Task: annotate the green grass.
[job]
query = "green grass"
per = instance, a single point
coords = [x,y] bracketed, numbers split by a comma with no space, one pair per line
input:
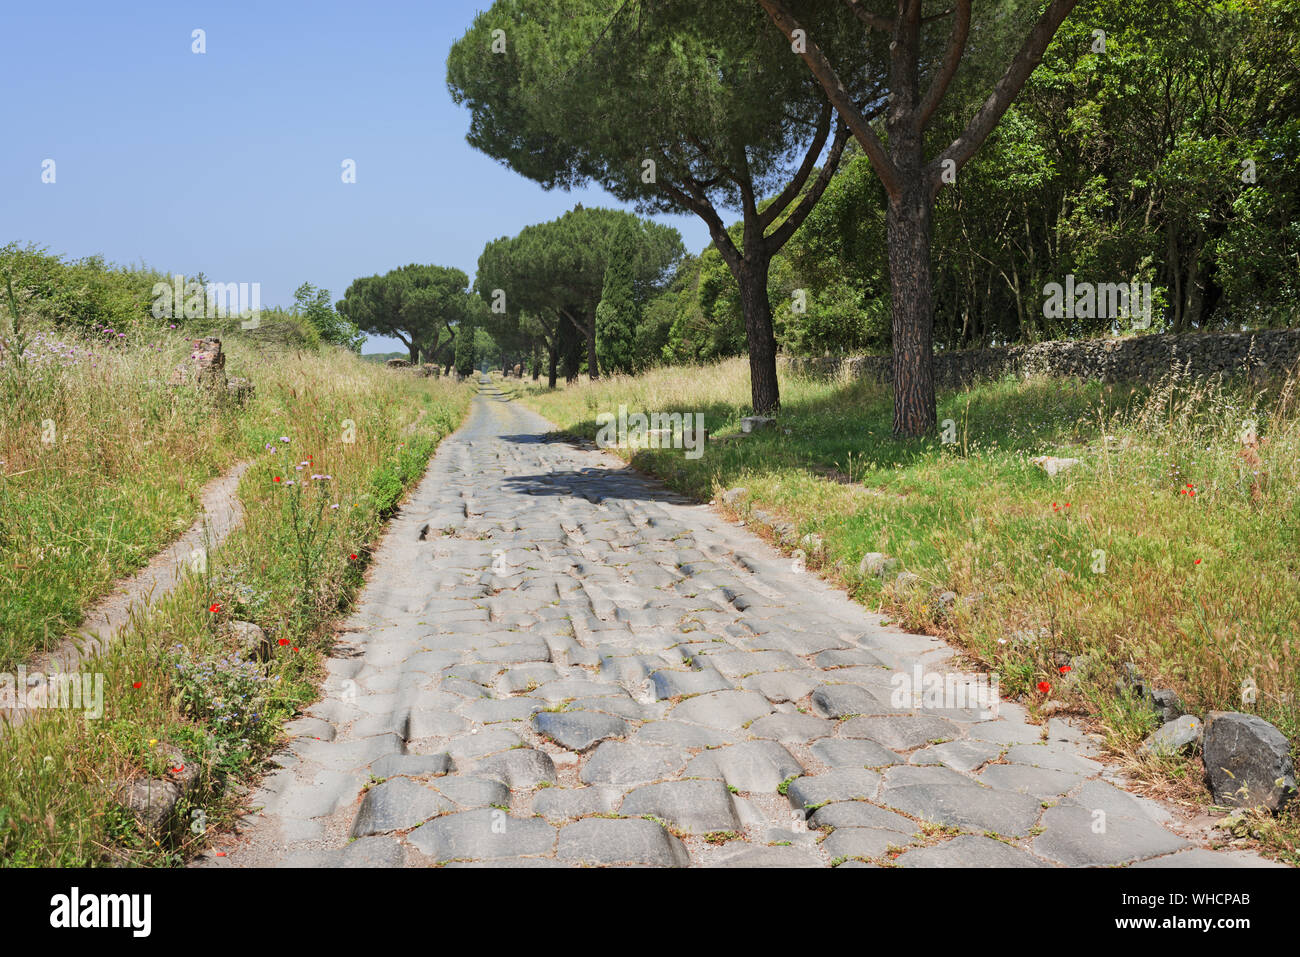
[1201,591]
[291,568]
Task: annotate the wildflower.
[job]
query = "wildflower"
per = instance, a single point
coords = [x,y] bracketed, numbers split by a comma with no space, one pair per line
[334,506]
[1064,669]
[284,438]
[215,608]
[284,641]
[1044,687]
[352,557]
[1197,562]
[277,478]
[138,684]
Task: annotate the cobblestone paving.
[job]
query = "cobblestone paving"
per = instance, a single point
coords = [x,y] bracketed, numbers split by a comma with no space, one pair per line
[558,662]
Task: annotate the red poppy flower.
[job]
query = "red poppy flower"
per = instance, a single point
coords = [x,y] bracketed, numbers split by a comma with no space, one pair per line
[138,684]
[215,608]
[1063,669]
[352,557]
[1044,687]
[284,641]
[178,770]
[1197,562]
[295,647]
[277,478]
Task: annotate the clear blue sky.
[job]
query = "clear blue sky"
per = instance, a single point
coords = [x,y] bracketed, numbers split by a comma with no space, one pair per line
[229,162]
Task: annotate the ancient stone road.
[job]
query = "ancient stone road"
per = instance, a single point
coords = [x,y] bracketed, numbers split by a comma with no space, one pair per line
[559,662]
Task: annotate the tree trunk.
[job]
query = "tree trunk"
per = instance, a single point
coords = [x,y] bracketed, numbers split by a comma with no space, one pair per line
[908,224]
[415,353]
[593,370]
[763,388]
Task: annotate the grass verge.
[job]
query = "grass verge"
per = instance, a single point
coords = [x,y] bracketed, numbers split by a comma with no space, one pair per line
[335,443]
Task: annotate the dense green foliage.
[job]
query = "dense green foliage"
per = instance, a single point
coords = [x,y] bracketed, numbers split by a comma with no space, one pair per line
[543,288]
[422,306]
[1113,166]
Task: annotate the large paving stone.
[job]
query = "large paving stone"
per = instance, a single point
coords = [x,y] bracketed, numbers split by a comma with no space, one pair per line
[327,792]
[579,730]
[563,689]
[792,728]
[471,792]
[493,710]
[692,806]
[902,732]
[683,735]
[397,805]
[737,664]
[348,755]
[412,765]
[861,814]
[855,753]
[483,834]
[1037,782]
[750,856]
[671,684]
[384,852]
[1051,756]
[1080,836]
[1006,731]
[779,686]
[433,724]
[481,743]
[840,784]
[758,766]
[966,806]
[723,709]
[519,769]
[968,850]
[626,841]
[559,804]
[626,764]
[862,842]
[840,701]
[958,755]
